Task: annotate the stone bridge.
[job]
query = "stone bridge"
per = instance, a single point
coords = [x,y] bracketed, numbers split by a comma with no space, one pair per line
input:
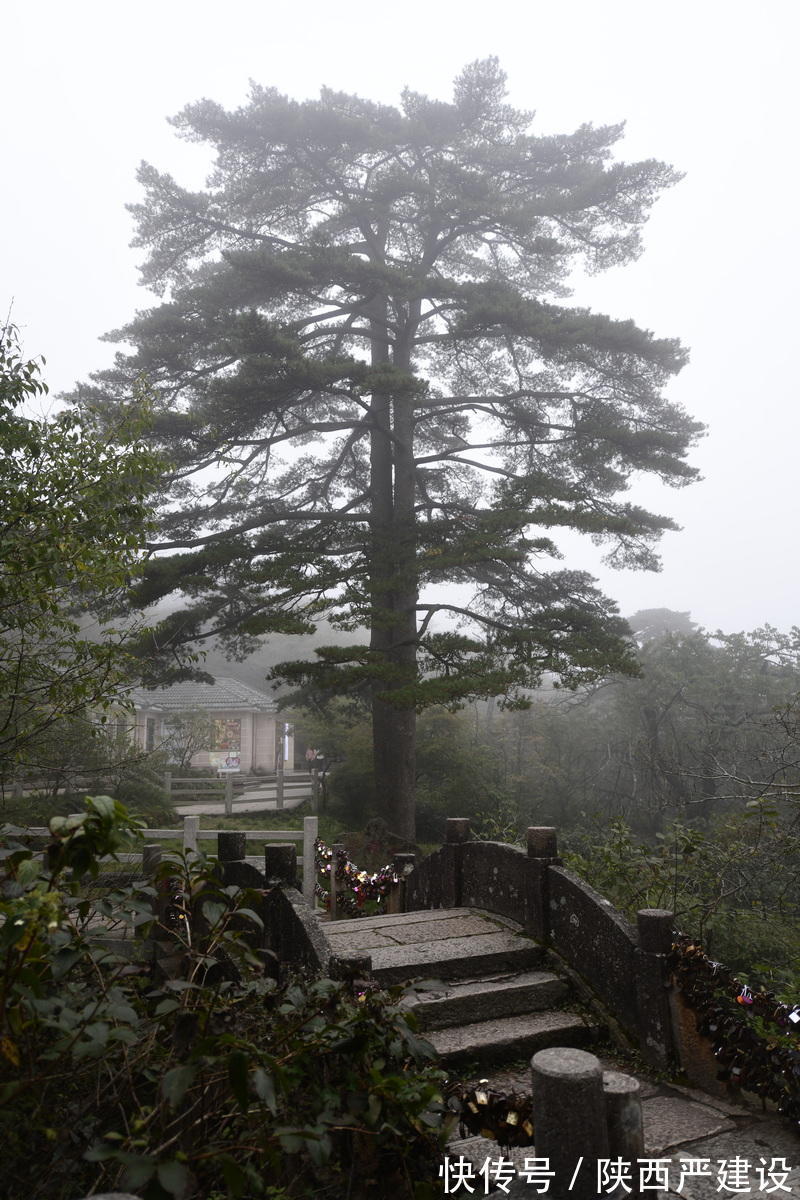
[524,954]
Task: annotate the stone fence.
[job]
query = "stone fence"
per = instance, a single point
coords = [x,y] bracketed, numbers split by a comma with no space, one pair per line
[623,966]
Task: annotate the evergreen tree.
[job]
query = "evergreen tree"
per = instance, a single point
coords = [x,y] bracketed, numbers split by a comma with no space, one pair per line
[370,388]
[73,522]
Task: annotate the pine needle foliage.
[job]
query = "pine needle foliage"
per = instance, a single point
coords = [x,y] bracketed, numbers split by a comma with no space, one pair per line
[373,389]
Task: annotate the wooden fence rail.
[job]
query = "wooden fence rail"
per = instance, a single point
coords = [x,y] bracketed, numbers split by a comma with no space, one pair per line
[191,834]
[227,786]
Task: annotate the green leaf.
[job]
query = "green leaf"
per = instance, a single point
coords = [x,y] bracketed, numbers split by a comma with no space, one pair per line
[265,1089]
[123,1012]
[177,1082]
[122,1033]
[99,1152]
[28,871]
[166,1006]
[139,1169]
[174,1178]
[291,1142]
[235,1178]
[104,806]
[251,916]
[213,911]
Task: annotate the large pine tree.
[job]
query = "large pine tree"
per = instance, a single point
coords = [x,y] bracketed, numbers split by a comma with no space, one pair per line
[370,388]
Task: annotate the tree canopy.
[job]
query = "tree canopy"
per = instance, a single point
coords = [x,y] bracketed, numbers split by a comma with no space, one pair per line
[378,403]
[708,727]
[73,523]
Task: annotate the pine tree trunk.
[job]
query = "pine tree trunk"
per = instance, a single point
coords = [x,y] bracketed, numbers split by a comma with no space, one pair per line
[393,591]
[394,757]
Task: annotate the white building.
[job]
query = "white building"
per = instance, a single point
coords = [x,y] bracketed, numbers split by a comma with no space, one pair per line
[247,732]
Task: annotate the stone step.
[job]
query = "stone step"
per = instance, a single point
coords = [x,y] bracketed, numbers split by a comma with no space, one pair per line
[470,1001]
[441,945]
[458,958]
[505,1038]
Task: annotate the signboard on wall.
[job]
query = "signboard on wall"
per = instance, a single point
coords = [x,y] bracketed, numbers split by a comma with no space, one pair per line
[228,734]
[230,763]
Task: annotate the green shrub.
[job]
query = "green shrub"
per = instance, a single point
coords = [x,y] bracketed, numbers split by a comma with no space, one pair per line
[140,790]
[213,1082]
[733,886]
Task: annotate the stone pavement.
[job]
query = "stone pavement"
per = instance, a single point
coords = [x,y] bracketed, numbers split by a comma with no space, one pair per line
[733,1149]
[680,1124]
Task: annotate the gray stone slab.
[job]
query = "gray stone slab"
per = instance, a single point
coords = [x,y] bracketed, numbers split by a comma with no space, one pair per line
[671,1120]
[351,941]
[525,1034]
[728,1107]
[759,1144]
[390,919]
[404,933]
[766,1149]
[460,947]
[492,951]
[431,931]
[479,1000]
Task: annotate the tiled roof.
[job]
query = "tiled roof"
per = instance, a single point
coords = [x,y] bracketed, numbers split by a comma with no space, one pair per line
[188,696]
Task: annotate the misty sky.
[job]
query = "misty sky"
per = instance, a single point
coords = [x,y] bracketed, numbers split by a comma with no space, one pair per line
[709,86]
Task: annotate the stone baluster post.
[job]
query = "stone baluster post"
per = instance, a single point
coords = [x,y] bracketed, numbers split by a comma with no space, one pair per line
[569,1117]
[191,825]
[624,1122]
[457,835]
[280,863]
[151,860]
[403,864]
[231,845]
[655,927]
[542,843]
[335,909]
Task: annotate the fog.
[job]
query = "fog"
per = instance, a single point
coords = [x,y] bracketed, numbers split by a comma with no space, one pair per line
[87,88]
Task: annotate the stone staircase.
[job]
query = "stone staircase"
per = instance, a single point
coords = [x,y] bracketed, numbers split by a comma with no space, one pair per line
[488,996]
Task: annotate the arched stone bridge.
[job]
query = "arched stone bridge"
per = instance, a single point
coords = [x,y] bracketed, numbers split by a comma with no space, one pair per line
[510,936]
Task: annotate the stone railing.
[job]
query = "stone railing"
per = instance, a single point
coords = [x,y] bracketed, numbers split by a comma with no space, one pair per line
[624,967]
[291,931]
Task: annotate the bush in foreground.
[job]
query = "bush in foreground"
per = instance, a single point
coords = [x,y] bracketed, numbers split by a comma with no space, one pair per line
[215,1082]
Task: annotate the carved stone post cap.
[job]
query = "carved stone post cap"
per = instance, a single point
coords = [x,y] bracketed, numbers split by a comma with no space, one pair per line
[111,1196]
[403,863]
[151,857]
[655,929]
[569,1114]
[231,845]
[571,1066]
[457,829]
[280,862]
[617,1084]
[542,841]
